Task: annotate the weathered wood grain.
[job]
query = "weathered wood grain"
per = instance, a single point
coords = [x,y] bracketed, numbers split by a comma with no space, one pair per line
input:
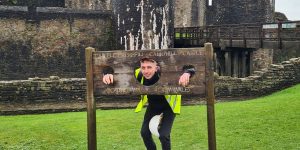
[171,62]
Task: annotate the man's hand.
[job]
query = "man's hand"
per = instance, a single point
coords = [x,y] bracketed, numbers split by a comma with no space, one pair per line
[184,79]
[108,79]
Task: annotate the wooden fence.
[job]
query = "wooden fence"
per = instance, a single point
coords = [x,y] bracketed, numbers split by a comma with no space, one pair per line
[197,36]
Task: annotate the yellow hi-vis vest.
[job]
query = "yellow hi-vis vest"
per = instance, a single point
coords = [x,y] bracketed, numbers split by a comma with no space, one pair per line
[173,100]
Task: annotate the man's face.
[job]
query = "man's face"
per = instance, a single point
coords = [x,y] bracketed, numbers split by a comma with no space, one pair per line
[148,69]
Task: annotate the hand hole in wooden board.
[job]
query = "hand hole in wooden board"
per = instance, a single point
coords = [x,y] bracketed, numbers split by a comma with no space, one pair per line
[147,72]
[108,72]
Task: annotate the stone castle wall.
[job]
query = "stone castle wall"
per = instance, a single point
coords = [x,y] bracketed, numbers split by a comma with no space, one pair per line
[189,13]
[36,43]
[240,11]
[89,4]
[49,41]
[265,81]
[58,94]
[262,58]
[146,24]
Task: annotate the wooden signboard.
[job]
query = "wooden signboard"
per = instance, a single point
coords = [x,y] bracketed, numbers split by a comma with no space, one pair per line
[170,61]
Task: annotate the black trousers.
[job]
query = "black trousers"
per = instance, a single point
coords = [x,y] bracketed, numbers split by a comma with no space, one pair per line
[164,130]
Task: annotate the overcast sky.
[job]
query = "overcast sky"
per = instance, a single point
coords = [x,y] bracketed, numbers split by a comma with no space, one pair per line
[291,8]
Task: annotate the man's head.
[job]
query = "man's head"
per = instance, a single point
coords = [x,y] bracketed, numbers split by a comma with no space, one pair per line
[148,67]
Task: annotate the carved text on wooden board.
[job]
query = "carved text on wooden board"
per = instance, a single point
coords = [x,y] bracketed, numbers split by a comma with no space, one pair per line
[170,61]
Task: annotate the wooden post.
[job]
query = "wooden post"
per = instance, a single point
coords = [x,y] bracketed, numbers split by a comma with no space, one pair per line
[250,63]
[230,35]
[244,65]
[244,36]
[91,105]
[218,36]
[210,97]
[228,63]
[235,64]
[279,30]
[261,36]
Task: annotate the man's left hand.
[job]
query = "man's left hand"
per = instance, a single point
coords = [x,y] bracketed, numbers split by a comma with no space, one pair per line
[184,79]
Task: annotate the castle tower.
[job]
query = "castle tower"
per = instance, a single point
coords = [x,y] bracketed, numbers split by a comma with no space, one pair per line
[190,13]
[144,24]
[240,11]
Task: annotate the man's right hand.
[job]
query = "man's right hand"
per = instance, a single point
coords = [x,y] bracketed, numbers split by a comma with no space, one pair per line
[108,79]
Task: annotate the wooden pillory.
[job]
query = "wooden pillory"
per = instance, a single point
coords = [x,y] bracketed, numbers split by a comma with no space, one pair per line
[170,61]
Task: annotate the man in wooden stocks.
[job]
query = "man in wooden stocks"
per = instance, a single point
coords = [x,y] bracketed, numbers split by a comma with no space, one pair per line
[166,105]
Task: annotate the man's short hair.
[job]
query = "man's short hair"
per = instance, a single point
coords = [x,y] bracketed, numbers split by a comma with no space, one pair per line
[147,59]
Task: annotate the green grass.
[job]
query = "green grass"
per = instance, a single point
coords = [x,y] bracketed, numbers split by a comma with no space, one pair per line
[267,123]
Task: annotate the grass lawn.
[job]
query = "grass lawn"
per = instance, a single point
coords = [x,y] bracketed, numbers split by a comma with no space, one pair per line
[267,123]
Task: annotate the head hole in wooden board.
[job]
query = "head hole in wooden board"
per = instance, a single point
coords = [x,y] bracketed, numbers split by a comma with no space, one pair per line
[147,71]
